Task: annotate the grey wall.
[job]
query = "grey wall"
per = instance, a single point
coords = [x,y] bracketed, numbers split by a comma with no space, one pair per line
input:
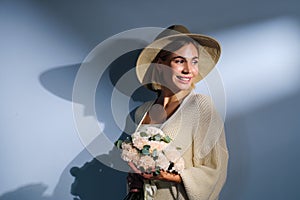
[42,44]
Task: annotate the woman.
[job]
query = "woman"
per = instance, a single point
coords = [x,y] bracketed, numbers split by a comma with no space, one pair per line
[171,66]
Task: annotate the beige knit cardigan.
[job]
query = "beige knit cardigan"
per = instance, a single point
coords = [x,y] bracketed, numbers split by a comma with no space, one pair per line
[198,130]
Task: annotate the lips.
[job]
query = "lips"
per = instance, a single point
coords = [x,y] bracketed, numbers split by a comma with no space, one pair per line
[184,78]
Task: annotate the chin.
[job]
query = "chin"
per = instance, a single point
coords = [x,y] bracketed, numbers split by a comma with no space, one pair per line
[176,86]
[183,87]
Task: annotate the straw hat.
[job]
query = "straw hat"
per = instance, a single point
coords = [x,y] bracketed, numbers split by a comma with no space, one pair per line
[208,48]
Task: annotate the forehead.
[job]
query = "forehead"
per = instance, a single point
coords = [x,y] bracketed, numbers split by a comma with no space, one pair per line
[188,51]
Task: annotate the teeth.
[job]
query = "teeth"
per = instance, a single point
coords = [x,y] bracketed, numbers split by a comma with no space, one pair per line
[183,79]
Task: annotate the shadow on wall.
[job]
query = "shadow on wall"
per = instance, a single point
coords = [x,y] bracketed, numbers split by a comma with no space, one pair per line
[261,144]
[28,192]
[96,179]
[92,181]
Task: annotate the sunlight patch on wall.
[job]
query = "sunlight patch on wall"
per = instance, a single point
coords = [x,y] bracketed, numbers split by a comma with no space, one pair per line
[259,63]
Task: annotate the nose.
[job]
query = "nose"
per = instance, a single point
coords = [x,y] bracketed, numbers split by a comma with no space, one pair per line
[187,68]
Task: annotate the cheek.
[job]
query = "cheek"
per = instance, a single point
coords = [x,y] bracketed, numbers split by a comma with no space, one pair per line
[177,69]
[195,70]
[167,73]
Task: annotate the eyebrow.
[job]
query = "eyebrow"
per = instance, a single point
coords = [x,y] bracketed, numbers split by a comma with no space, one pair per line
[196,57]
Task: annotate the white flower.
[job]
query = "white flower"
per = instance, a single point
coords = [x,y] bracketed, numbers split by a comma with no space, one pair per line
[140,142]
[159,146]
[126,146]
[129,153]
[151,131]
[159,154]
[146,162]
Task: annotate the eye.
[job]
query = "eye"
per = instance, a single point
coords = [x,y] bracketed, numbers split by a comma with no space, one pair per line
[195,61]
[179,61]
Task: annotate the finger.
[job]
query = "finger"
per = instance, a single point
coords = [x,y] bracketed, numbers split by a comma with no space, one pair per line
[147,176]
[134,190]
[134,168]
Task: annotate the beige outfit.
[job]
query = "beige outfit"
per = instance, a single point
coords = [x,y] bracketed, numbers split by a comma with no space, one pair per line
[198,130]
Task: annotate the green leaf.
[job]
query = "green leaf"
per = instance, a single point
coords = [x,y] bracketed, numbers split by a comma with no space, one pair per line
[157,137]
[142,169]
[118,144]
[157,171]
[143,134]
[145,150]
[167,139]
[154,153]
[149,170]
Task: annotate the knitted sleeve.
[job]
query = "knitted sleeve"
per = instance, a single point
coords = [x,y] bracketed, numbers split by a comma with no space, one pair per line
[210,156]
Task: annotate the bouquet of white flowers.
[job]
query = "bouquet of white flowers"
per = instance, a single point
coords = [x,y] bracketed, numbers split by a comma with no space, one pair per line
[150,150]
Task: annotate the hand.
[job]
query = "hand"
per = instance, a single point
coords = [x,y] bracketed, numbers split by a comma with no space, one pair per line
[163,175]
[167,176]
[137,171]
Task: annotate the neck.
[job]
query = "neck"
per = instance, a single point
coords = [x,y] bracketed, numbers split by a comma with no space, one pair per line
[167,97]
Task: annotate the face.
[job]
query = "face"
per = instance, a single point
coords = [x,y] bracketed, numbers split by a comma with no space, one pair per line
[180,68]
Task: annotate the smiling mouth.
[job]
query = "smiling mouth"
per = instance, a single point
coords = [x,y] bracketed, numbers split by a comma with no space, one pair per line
[185,79]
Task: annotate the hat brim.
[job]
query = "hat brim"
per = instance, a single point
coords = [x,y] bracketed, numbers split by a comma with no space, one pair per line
[209,53]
